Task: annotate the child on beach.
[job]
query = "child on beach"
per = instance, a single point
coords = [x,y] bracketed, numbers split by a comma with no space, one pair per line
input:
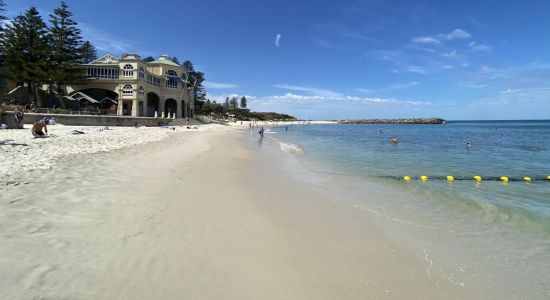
[18,116]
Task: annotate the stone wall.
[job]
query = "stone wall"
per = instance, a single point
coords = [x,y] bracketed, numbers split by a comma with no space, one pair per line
[84,120]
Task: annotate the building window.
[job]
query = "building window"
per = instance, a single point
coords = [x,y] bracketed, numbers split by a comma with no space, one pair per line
[128,71]
[141,72]
[171,83]
[171,73]
[141,91]
[127,90]
[102,73]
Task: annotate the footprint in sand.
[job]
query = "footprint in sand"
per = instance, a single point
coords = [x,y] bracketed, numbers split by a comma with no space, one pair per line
[36,275]
[39,228]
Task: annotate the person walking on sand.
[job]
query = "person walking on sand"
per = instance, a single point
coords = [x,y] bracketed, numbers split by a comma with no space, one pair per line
[261,133]
[18,117]
[38,129]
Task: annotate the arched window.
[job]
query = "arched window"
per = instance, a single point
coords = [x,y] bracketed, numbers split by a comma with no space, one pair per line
[171,73]
[127,90]
[141,91]
[141,72]
[128,70]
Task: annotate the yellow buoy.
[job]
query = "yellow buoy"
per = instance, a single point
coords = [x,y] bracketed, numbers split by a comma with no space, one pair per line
[548,177]
[407,178]
[527,179]
[477,178]
[504,178]
[423,177]
[450,178]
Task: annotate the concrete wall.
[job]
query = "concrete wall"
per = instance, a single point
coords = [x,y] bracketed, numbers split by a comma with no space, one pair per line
[81,120]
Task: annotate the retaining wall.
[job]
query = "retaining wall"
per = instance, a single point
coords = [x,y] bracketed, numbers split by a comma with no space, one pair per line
[84,120]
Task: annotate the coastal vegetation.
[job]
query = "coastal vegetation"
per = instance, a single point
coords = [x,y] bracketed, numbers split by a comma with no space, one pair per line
[230,107]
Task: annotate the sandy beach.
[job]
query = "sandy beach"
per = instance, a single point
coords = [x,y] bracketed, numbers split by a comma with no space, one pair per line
[205,214]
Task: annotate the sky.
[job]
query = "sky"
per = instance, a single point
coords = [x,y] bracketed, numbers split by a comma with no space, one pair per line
[347,59]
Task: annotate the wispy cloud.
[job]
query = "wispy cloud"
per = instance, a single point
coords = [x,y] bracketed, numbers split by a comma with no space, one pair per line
[403,85]
[219,85]
[425,40]
[310,90]
[479,47]
[278,38]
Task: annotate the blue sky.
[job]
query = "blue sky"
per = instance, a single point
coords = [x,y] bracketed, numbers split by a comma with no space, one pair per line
[343,59]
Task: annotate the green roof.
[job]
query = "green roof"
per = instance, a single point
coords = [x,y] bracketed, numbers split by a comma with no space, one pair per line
[165,60]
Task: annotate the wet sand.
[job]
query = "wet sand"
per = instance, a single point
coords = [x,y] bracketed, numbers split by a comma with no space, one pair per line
[206,216]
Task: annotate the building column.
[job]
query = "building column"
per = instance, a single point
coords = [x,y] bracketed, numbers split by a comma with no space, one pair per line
[119,107]
[178,109]
[134,108]
[161,107]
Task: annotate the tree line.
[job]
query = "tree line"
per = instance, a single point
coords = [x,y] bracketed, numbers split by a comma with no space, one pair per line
[231,107]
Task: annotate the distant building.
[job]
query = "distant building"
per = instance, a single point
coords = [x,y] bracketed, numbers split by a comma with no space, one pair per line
[132,87]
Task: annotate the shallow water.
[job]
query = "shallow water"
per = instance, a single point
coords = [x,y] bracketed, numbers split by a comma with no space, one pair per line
[500,148]
[470,234]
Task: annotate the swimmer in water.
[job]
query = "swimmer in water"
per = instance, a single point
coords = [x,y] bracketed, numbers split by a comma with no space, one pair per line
[468,145]
[394,140]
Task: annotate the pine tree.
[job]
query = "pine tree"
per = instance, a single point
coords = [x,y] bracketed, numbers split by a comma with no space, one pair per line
[66,48]
[226,103]
[233,103]
[25,49]
[87,53]
[243,102]
[2,15]
[149,59]
[195,78]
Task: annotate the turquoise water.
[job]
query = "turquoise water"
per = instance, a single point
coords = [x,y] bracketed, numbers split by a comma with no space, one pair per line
[499,148]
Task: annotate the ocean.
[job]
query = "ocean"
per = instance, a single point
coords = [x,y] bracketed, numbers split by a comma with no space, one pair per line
[466,227]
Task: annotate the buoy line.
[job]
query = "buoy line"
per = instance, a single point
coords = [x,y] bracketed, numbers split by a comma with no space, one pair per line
[472,178]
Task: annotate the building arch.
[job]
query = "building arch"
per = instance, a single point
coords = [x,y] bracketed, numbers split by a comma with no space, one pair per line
[170,107]
[141,72]
[128,70]
[153,101]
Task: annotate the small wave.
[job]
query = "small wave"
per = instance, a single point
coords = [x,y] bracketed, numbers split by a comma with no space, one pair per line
[290,148]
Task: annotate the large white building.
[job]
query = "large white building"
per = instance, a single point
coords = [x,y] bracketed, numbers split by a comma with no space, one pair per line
[137,88]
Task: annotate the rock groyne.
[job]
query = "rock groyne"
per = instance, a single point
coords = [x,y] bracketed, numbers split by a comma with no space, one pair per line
[396,121]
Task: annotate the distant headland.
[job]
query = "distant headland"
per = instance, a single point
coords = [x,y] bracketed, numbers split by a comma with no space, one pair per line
[396,121]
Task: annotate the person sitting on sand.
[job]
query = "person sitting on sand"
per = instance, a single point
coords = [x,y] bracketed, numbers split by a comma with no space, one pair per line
[394,140]
[38,129]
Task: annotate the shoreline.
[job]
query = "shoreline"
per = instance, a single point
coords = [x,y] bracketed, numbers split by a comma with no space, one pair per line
[207,215]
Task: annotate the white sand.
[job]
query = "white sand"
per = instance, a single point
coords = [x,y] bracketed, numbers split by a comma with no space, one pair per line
[21,152]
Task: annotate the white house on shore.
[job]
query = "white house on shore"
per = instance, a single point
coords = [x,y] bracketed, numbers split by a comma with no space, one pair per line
[137,88]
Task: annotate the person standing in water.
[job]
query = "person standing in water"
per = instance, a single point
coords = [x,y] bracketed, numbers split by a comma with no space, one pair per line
[394,140]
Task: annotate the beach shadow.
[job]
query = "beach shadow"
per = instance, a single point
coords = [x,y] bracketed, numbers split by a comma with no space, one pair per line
[7,143]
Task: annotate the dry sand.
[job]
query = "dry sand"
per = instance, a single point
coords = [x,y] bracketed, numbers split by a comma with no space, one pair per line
[195,216]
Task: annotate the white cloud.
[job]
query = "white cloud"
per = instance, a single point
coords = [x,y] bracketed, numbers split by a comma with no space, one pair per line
[310,90]
[403,85]
[425,40]
[456,34]
[416,69]
[219,85]
[479,47]
[364,91]
[278,38]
